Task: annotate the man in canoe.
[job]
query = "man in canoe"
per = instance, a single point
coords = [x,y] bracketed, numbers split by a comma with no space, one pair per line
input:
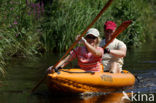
[90,55]
[114,53]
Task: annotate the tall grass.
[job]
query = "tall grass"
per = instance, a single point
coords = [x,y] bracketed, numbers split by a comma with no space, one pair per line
[29,27]
[69,18]
[19,33]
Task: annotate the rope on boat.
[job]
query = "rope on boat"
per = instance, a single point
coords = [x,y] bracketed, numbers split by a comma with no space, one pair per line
[78,72]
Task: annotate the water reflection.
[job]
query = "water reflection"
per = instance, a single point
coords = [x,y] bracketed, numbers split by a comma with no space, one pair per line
[106,98]
[109,98]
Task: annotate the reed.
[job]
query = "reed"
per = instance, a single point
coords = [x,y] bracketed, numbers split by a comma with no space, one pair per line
[69,18]
[29,27]
[19,33]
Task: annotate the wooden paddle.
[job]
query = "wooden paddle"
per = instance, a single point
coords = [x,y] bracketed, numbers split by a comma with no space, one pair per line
[85,31]
[120,29]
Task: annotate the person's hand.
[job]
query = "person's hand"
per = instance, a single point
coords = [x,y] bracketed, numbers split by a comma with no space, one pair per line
[83,40]
[49,69]
[55,69]
[107,50]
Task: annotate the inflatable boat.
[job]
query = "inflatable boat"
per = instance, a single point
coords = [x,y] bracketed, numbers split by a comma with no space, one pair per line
[80,81]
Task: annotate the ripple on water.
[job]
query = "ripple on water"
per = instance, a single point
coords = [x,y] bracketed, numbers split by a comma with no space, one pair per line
[147,82]
[149,62]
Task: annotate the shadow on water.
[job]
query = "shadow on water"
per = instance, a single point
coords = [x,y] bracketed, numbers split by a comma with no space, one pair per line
[22,76]
[96,98]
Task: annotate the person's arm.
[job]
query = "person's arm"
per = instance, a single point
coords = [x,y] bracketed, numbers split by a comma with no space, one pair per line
[119,53]
[92,49]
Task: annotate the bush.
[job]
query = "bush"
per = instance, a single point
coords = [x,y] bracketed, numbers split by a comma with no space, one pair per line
[33,27]
[68,18]
[19,33]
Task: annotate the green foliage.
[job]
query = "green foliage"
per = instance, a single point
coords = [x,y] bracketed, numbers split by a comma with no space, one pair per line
[138,12]
[2,65]
[68,18]
[28,29]
[19,33]
[130,10]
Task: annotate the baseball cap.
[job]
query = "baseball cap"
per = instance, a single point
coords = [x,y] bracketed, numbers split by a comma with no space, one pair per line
[110,25]
[93,31]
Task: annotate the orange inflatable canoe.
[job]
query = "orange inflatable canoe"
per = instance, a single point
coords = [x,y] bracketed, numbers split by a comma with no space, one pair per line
[80,81]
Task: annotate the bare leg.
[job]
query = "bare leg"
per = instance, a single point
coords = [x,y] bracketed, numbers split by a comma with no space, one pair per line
[114,68]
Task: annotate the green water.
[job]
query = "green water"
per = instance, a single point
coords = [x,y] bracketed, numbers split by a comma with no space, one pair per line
[22,75]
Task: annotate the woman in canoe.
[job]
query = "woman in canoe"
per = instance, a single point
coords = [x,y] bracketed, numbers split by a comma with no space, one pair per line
[90,55]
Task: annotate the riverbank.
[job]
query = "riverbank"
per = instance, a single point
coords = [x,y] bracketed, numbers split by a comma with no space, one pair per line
[35,28]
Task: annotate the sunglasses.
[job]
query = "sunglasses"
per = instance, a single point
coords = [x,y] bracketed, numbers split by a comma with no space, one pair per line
[91,37]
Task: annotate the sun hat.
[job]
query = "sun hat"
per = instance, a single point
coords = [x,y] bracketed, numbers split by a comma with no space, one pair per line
[110,25]
[93,31]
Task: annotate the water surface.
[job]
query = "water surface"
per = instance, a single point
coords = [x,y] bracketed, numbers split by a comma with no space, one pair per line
[22,75]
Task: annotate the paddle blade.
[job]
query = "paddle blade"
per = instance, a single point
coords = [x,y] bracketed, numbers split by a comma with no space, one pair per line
[120,29]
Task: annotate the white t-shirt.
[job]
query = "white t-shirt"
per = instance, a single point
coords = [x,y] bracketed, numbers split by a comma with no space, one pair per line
[108,58]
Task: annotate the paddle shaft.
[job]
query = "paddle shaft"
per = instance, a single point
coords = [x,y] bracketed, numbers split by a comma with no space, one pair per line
[45,76]
[72,46]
